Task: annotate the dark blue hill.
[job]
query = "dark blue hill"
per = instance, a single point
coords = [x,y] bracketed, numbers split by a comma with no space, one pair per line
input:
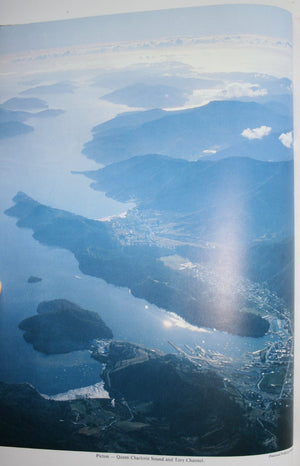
[13,128]
[11,121]
[25,103]
[64,87]
[268,149]
[250,198]
[182,134]
[142,95]
[10,115]
[126,121]
[100,253]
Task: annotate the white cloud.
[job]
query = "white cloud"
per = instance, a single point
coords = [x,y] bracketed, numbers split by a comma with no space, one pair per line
[286,139]
[242,89]
[229,90]
[256,133]
[209,151]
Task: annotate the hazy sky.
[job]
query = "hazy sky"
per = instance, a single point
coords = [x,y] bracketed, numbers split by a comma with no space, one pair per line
[206,20]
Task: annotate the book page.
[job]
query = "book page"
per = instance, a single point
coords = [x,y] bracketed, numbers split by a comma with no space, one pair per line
[147,218]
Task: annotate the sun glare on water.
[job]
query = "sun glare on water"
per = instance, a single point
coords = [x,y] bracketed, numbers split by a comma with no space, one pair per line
[167,323]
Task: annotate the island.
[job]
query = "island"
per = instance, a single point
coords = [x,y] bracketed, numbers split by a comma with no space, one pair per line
[62,326]
[33,279]
[27,103]
[63,87]
[9,129]
[49,113]
[12,121]
[143,95]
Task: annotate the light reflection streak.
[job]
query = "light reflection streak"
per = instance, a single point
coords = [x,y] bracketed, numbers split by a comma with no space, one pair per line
[173,320]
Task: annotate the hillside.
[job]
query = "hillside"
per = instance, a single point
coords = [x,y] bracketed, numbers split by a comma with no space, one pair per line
[101,252]
[183,134]
[251,199]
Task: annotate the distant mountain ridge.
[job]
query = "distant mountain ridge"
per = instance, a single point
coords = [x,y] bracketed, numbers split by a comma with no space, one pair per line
[143,95]
[24,103]
[267,149]
[63,87]
[252,198]
[183,134]
[11,121]
[13,128]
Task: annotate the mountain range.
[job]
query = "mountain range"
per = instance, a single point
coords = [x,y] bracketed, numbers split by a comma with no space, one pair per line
[252,199]
[187,134]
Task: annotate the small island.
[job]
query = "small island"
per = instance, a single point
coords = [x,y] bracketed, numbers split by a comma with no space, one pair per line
[33,279]
[62,326]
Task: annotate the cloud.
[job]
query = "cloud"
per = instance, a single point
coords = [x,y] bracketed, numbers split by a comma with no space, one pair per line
[242,89]
[209,151]
[286,139]
[256,133]
[229,90]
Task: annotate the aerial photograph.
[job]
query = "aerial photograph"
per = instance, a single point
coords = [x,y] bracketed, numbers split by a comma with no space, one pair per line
[147,233]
